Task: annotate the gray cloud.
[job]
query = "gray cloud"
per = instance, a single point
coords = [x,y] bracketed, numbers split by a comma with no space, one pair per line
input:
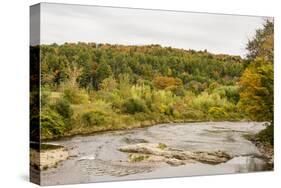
[216,33]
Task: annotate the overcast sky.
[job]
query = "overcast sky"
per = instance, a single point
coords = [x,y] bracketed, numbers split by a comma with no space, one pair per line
[216,33]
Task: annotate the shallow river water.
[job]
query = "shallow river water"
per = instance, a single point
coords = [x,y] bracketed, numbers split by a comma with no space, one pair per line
[96,157]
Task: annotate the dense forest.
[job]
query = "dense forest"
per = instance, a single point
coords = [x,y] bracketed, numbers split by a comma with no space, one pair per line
[90,87]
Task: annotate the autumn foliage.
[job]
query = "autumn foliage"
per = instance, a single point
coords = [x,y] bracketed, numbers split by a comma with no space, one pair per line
[90,87]
[163,82]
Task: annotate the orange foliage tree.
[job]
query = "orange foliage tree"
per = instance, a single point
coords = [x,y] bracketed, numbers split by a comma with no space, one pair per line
[164,82]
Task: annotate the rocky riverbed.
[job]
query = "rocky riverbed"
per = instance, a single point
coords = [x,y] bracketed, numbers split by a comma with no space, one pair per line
[166,150]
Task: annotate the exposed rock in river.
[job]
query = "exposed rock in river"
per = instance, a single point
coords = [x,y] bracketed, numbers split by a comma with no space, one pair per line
[134,140]
[171,155]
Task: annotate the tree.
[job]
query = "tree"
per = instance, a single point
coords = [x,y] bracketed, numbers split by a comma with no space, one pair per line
[74,72]
[263,43]
[163,82]
[256,96]
[134,105]
[103,71]
[108,84]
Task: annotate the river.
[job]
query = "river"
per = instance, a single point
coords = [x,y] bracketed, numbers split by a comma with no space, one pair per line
[96,158]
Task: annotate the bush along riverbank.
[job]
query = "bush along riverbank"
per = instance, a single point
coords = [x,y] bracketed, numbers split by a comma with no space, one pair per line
[61,116]
[264,141]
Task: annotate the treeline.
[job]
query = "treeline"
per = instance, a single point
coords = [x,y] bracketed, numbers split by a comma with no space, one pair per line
[196,70]
[88,87]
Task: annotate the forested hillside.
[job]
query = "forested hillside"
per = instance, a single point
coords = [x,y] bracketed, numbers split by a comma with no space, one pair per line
[89,87]
[196,70]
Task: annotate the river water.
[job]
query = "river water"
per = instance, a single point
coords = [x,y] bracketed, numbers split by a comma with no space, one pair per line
[96,158]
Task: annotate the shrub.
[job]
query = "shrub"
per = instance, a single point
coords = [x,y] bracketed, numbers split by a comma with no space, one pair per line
[217,113]
[266,135]
[169,110]
[134,105]
[94,118]
[204,101]
[161,101]
[108,84]
[45,96]
[193,114]
[63,108]
[142,116]
[52,123]
[230,92]
[75,95]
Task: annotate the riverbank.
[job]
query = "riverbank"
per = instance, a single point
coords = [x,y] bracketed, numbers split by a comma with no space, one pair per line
[48,157]
[266,149]
[85,131]
[52,155]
